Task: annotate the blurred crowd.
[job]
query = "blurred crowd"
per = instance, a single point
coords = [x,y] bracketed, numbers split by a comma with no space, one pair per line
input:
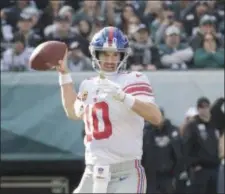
[176,35]
[187,158]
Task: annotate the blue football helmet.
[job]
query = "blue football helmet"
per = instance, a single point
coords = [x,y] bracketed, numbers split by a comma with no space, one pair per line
[109,39]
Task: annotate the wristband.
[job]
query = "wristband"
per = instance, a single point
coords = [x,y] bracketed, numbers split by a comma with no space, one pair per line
[129,100]
[65,79]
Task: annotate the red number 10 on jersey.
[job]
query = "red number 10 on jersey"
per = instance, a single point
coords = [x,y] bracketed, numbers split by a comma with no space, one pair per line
[92,122]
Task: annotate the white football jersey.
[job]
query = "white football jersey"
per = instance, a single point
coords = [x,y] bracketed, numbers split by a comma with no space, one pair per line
[114,133]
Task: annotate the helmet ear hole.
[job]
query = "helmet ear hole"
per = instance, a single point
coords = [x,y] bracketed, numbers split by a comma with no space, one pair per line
[122,55]
[97,54]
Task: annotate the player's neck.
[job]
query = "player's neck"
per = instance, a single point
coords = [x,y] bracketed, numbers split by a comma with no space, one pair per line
[110,74]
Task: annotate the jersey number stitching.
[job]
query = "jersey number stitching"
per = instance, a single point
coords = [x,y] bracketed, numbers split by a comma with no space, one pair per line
[98,135]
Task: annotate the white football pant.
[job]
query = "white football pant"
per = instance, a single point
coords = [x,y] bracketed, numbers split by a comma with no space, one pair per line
[126,177]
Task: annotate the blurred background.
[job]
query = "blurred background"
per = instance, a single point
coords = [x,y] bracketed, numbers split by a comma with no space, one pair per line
[178,44]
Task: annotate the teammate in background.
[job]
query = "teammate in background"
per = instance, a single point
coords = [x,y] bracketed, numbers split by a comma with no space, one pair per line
[200,146]
[113,107]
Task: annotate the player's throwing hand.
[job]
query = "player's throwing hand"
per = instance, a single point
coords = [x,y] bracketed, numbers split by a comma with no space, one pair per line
[62,67]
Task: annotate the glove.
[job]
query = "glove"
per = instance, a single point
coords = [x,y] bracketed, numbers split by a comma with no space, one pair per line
[109,88]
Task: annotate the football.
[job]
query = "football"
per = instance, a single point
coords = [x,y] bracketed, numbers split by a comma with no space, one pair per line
[46,55]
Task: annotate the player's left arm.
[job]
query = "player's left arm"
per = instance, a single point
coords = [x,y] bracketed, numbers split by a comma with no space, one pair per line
[140,98]
[149,111]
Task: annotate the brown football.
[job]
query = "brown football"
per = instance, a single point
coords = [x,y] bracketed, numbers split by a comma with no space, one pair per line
[46,55]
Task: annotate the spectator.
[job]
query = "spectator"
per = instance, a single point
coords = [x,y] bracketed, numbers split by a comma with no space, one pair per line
[40,21]
[162,157]
[108,9]
[152,8]
[144,54]
[50,13]
[74,4]
[128,12]
[174,55]
[200,142]
[219,9]
[156,23]
[97,26]
[137,4]
[192,18]
[89,9]
[17,57]
[6,32]
[210,55]
[25,27]
[68,12]
[84,28]
[134,22]
[216,11]
[207,25]
[13,13]
[77,61]
[64,32]
[168,20]
[87,26]
[34,14]
[180,7]
[183,35]
[117,7]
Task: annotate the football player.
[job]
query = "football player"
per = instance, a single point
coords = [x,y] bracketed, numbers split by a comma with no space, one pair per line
[113,106]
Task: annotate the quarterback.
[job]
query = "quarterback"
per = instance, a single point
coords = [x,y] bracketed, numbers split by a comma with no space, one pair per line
[113,106]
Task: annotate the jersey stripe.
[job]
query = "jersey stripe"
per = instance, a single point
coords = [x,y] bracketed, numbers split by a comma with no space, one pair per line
[137,84]
[110,36]
[141,88]
[138,89]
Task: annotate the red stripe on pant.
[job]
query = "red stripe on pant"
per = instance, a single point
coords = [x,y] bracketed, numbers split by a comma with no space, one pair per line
[141,177]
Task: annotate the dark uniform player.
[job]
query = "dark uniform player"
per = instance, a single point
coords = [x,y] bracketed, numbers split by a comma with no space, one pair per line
[218,114]
[162,157]
[220,185]
[201,140]
[218,118]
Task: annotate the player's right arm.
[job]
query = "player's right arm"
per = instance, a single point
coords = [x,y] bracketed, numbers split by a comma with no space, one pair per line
[68,96]
[68,93]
